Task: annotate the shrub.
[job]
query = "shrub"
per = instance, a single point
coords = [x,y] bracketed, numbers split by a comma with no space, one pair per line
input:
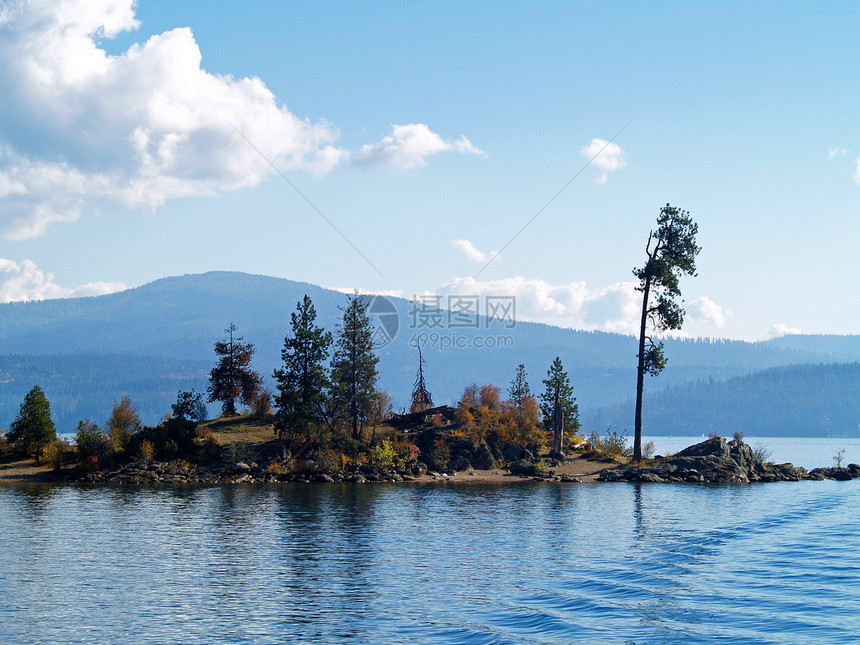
[612,446]
[327,461]
[384,457]
[261,406]
[146,451]
[762,453]
[124,421]
[839,457]
[92,445]
[440,456]
[57,453]
[648,450]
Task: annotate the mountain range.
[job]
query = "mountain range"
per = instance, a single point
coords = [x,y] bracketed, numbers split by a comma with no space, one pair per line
[152,341]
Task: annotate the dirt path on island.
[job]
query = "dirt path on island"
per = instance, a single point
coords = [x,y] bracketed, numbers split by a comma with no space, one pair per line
[22,470]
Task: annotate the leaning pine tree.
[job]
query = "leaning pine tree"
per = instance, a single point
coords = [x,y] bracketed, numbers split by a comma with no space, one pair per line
[232,377]
[672,255]
[353,368]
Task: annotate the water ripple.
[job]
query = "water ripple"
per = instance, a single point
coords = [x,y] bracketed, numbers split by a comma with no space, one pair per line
[425,564]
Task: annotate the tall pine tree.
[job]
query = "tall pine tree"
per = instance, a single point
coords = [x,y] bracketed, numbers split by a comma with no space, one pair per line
[558,388]
[303,382]
[671,253]
[232,377]
[519,389]
[353,370]
[33,428]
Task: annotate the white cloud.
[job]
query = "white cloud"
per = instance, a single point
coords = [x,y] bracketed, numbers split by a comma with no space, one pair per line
[606,156]
[857,172]
[408,146]
[836,152]
[475,255]
[614,308]
[706,311]
[25,281]
[79,126]
[782,330]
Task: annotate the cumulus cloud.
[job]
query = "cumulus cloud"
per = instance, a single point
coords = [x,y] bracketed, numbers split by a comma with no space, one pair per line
[613,308]
[408,146]
[475,255]
[779,329]
[706,311]
[25,281]
[606,156]
[79,126]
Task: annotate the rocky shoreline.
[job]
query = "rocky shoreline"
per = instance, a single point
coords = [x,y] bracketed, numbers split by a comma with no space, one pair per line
[712,461]
[719,461]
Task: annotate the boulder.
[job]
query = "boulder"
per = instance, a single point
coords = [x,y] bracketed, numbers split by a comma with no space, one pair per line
[460,463]
[484,459]
[522,467]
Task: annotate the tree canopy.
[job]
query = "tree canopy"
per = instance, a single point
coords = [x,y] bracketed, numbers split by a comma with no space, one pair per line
[232,377]
[33,428]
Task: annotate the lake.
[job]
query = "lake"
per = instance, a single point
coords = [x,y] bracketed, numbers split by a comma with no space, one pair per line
[434,563]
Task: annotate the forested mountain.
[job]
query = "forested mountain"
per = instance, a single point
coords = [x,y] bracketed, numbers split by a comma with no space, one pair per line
[153,340]
[798,400]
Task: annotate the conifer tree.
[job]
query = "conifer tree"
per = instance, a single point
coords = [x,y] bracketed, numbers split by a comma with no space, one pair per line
[354,371]
[519,389]
[232,378]
[421,398]
[558,405]
[33,428]
[303,382]
[673,254]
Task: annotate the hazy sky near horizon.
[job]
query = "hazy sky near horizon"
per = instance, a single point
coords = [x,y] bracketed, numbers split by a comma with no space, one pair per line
[413,141]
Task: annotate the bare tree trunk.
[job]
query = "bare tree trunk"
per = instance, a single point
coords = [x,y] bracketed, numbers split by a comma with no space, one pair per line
[640,375]
[557,423]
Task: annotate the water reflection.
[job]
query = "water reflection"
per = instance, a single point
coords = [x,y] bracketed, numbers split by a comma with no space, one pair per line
[539,562]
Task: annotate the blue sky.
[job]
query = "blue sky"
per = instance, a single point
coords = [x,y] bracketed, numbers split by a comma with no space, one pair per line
[429,134]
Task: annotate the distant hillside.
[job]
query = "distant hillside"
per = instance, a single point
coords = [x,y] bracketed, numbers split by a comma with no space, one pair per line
[156,338]
[798,400]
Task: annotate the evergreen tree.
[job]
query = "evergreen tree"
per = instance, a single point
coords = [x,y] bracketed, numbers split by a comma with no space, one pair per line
[519,389]
[189,406]
[303,382]
[421,398]
[558,388]
[673,255]
[354,366]
[33,428]
[232,378]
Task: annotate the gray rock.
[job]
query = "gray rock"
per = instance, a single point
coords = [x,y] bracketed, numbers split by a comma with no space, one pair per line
[484,459]
[460,463]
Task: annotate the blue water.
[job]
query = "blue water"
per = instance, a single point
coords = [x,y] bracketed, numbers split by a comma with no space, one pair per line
[438,563]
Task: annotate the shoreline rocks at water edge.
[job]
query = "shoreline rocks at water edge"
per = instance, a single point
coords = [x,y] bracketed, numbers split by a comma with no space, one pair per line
[719,461]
